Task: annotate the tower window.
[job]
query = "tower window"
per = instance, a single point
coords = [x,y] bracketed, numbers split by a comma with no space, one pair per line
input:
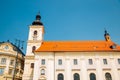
[35,32]
[32,65]
[35,35]
[33,48]
[12,62]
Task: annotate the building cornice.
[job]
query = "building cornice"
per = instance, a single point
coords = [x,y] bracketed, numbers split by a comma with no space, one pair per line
[36,26]
[30,57]
[34,41]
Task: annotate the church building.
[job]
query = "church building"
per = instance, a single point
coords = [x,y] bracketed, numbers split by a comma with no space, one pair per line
[70,60]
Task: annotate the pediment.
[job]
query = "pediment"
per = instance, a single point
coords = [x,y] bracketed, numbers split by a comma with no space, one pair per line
[7,48]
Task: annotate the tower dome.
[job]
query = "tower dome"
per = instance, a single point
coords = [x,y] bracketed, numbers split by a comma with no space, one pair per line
[37,21]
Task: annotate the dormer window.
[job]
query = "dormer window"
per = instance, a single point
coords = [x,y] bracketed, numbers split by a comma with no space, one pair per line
[113,46]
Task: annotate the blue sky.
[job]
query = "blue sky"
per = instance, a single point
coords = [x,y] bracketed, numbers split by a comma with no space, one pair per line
[62,19]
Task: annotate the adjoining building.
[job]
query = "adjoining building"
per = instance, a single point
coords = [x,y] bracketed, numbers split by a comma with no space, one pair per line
[11,62]
[70,60]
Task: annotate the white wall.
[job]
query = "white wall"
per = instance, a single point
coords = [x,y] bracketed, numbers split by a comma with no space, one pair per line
[83,68]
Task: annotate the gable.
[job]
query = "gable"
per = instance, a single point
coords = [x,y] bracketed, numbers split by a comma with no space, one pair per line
[9,48]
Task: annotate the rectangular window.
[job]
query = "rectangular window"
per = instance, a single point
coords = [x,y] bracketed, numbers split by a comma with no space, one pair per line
[12,62]
[105,61]
[16,71]
[3,61]
[32,65]
[42,72]
[10,72]
[60,61]
[1,71]
[119,61]
[90,61]
[43,62]
[75,61]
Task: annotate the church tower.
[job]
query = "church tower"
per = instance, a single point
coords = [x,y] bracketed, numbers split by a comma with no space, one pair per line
[35,38]
[107,36]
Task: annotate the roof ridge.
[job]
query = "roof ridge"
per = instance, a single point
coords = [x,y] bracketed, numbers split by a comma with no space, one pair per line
[76,41]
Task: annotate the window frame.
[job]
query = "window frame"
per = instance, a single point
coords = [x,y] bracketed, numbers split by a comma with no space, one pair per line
[2,71]
[3,60]
[105,62]
[12,62]
[32,65]
[92,76]
[90,61]
[75,61]
[60,76]
[10,72]
[108,76]
[43,62]
[59,61]
[118,60]
[42,71]
[33,49]
[76,76]
[35,32]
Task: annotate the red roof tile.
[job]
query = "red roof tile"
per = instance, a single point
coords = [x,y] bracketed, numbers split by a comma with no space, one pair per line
[78,46]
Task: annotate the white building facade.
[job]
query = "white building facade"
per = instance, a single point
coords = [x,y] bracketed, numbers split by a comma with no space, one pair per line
[70,60]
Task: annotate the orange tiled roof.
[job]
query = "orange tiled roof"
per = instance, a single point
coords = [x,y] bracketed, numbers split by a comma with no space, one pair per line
[78,46]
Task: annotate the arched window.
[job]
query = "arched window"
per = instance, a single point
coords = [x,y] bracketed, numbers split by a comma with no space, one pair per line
[42,72]
[108,76]
[76,76]
[35,35]
[35,32]
[60,77]
[92,76]
[33,48]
